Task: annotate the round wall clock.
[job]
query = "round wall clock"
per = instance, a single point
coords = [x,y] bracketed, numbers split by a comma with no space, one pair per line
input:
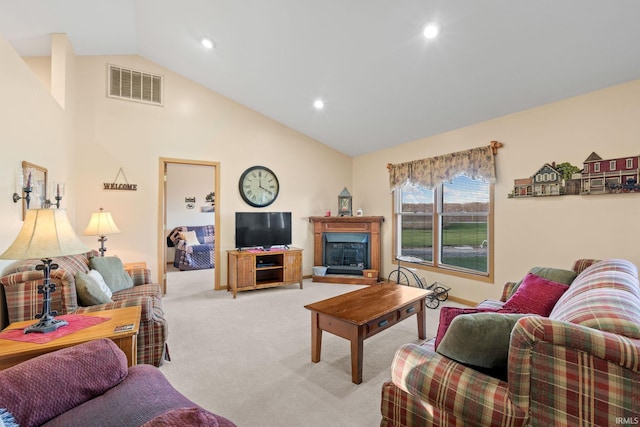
[259,186]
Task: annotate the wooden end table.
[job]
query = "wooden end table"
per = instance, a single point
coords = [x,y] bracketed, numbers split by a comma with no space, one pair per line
[361,314]
[14,352]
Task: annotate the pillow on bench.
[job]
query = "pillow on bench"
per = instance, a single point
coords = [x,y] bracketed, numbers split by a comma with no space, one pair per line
[74,375]
[556,274]
[112,271]
[480,336]
[535,295]
[480,339]
[89,290]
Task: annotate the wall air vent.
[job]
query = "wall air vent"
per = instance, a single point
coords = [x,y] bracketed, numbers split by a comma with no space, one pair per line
[134,85]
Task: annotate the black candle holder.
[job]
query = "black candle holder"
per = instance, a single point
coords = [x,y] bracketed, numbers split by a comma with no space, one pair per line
[47,321]
[27,197]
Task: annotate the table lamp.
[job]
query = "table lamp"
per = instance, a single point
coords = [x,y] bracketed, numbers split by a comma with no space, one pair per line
[101,224]
[45,233]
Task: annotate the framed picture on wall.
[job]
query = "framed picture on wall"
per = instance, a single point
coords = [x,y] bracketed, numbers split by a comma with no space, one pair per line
[34,178]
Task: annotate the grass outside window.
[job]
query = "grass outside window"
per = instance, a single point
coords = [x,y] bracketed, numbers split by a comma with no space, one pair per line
[455,218]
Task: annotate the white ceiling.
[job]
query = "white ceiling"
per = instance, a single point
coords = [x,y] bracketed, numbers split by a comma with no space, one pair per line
[382,82]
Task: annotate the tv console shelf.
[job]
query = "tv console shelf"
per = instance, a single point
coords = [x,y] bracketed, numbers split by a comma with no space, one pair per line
[257,269]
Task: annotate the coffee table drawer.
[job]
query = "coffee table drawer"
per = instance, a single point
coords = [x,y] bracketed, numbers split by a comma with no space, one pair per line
[381,323]
[409,310]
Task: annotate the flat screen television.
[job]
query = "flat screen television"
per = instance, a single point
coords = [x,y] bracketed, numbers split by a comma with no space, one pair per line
[263,229]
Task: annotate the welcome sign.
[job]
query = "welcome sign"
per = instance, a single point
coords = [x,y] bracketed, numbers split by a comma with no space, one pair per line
[120,186]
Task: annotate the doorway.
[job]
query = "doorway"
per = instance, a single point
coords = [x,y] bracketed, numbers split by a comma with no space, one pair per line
[190,198]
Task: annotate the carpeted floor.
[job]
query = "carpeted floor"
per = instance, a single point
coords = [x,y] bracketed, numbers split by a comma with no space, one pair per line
[249,359]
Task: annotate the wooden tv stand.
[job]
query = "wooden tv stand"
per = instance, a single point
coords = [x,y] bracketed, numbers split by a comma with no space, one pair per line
[251,269]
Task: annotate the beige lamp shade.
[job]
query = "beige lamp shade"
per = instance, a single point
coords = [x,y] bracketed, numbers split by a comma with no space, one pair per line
[45,233]
[101,224]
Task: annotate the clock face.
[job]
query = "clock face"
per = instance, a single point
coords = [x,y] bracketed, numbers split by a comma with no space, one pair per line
[259,186]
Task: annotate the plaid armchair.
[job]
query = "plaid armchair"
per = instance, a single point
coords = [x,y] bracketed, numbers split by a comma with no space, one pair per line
[197,255]
[21,280]
[579,366]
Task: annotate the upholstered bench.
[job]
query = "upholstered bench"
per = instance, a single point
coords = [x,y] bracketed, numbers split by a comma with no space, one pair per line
[90,385]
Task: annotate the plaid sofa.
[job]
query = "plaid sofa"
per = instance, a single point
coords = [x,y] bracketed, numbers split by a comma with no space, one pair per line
[21,280]
[580,366]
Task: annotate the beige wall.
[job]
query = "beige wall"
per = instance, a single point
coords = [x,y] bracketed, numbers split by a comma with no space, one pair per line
[551,231]
[195,124]
[87,148]
[33,127]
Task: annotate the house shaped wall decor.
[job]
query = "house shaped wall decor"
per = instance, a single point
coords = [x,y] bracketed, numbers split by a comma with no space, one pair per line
[598,176]
[547,181]
[620,175]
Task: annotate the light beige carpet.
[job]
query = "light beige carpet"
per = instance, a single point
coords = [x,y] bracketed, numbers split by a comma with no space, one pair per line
[249,359]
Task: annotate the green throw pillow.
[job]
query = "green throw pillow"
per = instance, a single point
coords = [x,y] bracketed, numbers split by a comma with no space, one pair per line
[554,274]
[479,339]
[112,271]
[89,291]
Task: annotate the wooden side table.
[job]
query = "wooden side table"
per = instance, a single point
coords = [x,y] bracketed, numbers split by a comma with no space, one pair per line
[14,352]
[134,265]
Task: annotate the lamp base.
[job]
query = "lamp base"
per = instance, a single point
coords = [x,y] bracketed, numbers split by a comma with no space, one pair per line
[46,325]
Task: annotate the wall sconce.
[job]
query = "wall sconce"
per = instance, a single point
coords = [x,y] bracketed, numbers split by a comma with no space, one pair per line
[59,194]
[26,187]
[31,186]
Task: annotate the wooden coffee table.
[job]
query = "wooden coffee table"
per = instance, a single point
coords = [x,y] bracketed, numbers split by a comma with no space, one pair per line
[361,314]
[13,352]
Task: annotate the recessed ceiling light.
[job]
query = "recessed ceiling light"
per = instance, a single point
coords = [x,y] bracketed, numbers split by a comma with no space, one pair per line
[431,30]
[318,104]
[207,42]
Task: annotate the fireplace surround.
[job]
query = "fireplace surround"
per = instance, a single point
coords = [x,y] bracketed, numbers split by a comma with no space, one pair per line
[347,246]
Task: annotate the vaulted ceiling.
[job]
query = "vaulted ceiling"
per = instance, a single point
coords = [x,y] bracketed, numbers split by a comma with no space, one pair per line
[382,82]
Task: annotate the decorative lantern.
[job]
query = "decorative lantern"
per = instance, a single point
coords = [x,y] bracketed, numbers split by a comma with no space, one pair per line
[344,203]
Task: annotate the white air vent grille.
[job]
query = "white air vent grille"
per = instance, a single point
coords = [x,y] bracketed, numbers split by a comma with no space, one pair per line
[134,85]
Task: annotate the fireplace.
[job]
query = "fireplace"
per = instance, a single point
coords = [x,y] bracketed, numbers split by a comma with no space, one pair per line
[347,245]
[345,253]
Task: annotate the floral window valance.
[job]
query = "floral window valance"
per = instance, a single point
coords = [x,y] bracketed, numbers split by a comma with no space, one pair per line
[476,163]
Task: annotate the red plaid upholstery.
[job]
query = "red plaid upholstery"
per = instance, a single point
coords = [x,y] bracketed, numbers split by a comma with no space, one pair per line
[461,392]
[506,291]
[23,301]
[573,375]
[580,366]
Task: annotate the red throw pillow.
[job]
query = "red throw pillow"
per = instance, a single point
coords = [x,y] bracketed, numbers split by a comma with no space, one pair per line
[535,295]
[447,314]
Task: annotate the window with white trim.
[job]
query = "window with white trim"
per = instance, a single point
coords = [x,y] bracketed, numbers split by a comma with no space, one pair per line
[612,165]
[448,226]
[629,163]
[596,167]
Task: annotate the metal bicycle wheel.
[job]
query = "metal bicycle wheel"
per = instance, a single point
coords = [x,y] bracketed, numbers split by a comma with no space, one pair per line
[398,277]
[441,293]
[432,301]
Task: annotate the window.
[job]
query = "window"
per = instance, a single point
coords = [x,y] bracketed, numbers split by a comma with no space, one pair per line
[596,167]
[612,165]
[454,218]
[629,163]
